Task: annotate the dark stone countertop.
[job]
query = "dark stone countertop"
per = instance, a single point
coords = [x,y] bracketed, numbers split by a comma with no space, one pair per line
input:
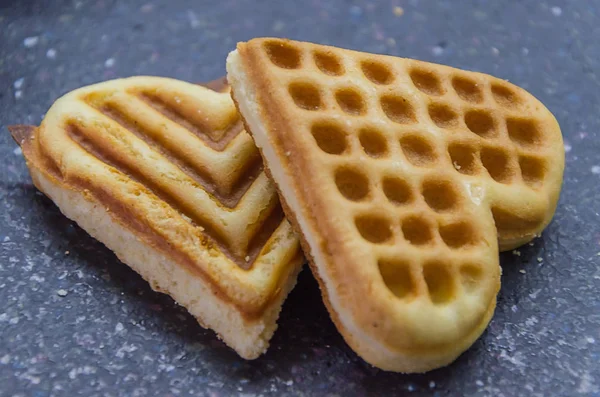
[75,320]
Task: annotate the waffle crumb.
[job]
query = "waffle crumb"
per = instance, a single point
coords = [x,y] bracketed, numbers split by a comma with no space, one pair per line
[398,11]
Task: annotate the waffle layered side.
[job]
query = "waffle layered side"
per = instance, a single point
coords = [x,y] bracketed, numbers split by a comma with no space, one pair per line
[163,173]
[404,179]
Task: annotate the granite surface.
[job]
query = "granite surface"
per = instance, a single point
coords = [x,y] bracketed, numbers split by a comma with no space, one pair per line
[75,321]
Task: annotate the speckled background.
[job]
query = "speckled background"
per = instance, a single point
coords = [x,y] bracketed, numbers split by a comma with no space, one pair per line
[73,320]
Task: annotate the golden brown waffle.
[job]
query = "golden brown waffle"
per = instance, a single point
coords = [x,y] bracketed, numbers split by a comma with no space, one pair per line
[402,178]
[163,173]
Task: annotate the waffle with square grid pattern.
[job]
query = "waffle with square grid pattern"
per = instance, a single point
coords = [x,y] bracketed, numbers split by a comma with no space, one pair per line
[404,179]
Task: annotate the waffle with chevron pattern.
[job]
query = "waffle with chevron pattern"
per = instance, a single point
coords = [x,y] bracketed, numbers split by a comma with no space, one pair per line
[163,173]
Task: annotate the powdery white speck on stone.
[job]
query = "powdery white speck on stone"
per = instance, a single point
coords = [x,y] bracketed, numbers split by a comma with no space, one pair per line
[193,19]
[568,147]
[556,11]
[85,370]
[125,349]
[19,83]
[437,50]
[30,42]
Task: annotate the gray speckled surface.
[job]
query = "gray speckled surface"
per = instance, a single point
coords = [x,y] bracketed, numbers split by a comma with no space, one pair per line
[75,320]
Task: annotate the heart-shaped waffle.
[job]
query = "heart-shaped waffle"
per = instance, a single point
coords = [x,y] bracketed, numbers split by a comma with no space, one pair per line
[404,178]
[163,173]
